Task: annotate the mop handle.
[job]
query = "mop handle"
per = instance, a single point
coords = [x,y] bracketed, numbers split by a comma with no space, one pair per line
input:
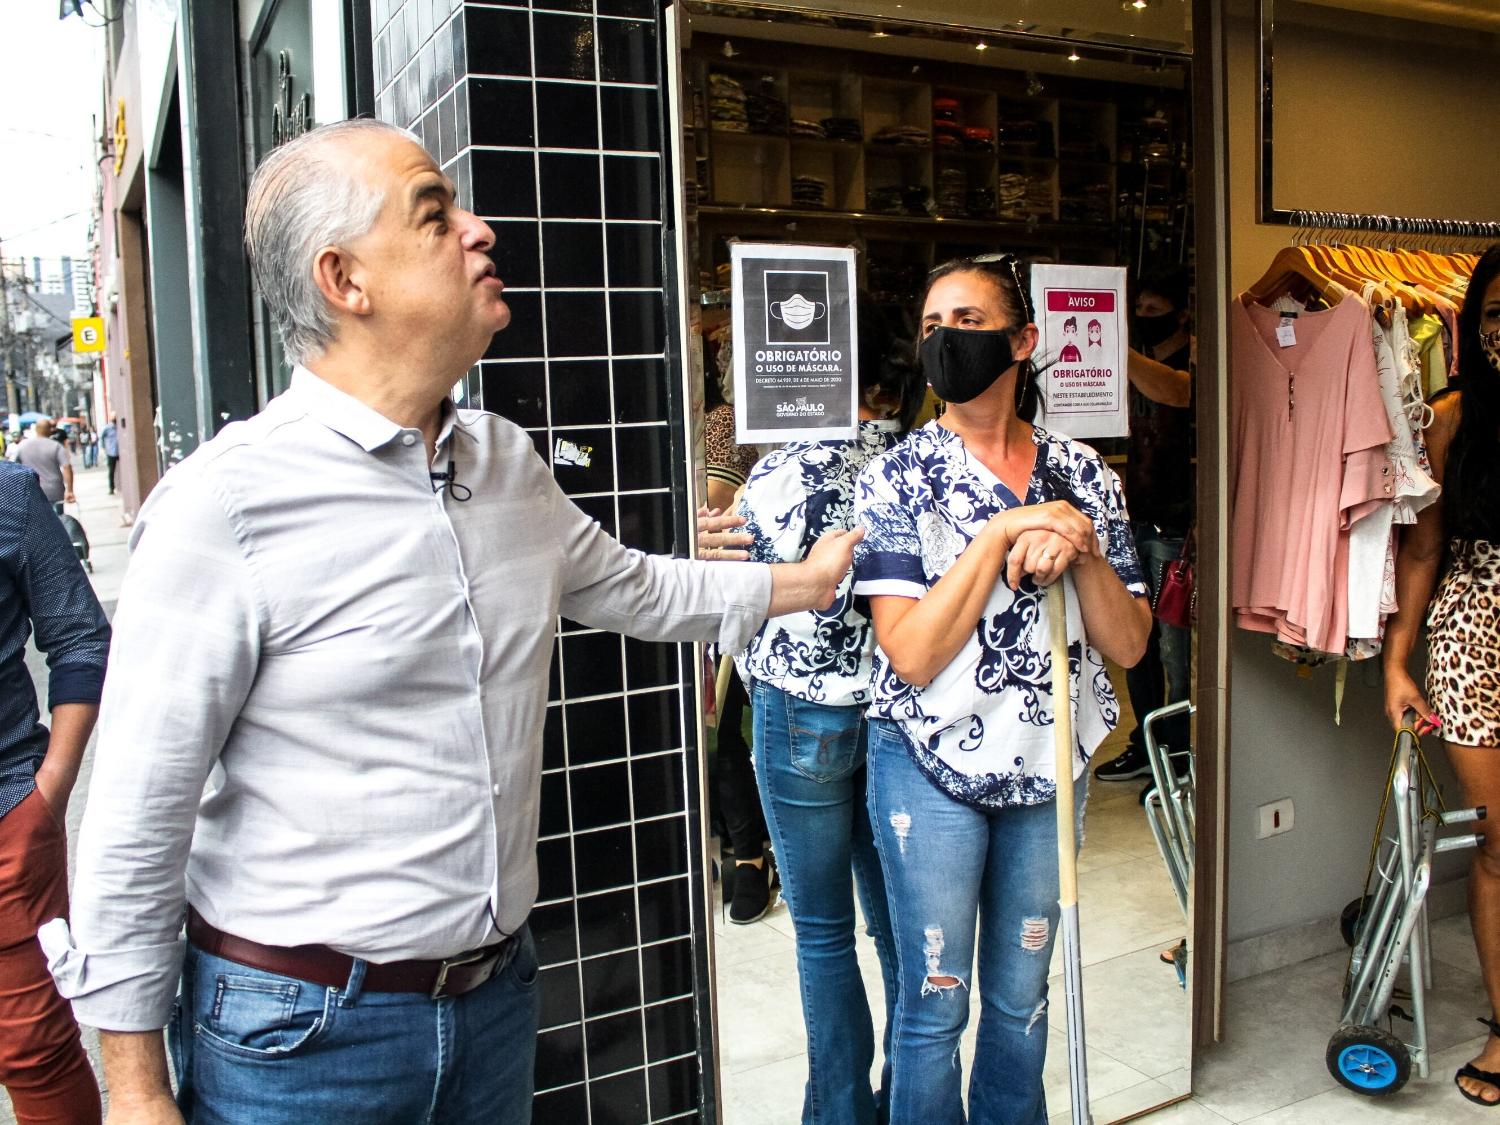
[1062,717]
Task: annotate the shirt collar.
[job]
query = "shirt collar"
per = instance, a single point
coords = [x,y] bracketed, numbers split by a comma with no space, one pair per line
[345,414]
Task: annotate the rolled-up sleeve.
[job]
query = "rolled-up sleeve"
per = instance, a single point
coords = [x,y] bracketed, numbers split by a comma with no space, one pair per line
[185,651]
[68,623]
[610,586]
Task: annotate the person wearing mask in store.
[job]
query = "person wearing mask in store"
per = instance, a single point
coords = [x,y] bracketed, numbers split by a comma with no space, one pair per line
[109,442]
[1454,549]
[342,612]
[809,679]
[747,881]
[1159,487]
[50,461]
[967,521]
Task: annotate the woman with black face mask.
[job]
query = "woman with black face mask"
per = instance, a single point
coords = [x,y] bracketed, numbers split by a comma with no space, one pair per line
[964,522]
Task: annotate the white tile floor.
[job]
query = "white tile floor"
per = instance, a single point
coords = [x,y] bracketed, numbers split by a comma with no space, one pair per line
[1269,1071]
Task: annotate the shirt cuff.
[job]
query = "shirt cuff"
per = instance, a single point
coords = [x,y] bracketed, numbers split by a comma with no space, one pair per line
[75,683]
[897,587]
[118,990]
[747,599]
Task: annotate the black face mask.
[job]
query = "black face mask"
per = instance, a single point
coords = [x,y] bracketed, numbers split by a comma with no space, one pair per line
[963,363]
[1153,330]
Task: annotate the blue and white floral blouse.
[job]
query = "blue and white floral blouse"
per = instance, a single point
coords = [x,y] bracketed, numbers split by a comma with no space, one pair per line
[795,495]
[982,729]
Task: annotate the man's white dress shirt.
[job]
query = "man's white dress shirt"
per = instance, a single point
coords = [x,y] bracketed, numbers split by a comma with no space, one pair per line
[322,721]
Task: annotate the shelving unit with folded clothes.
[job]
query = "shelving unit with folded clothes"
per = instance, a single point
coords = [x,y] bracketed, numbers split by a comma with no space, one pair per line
[1154,179]
[749,158]
[963,152]
[1026,159]
[826,137]
[897,120]
[1086,148]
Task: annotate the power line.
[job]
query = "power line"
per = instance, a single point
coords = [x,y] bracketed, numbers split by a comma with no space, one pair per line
[44,226]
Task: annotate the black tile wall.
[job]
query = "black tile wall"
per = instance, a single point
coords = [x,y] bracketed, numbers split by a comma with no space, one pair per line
[546,114]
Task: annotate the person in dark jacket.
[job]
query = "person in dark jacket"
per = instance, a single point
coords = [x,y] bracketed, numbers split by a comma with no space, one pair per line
[42,588]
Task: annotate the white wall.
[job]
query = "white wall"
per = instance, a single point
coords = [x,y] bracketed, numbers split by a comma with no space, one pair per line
[1283,741]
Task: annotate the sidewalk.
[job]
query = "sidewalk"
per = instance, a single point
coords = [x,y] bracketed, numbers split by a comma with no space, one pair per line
[100,515]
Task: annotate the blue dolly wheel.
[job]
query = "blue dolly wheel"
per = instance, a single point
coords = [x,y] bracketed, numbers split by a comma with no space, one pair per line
[1368,1060]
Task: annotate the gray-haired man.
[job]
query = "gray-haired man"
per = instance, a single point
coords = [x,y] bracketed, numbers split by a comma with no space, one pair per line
[322,735]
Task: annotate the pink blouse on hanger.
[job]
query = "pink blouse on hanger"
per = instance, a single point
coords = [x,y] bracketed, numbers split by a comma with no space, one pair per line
[1308,431]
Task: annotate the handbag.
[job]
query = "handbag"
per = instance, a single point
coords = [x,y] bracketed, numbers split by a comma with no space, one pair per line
[1177,595]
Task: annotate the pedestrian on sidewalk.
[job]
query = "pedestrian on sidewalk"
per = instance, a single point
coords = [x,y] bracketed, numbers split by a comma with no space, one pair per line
[89,442]
[362,667]
[42,587]
[50,461]
[109,441]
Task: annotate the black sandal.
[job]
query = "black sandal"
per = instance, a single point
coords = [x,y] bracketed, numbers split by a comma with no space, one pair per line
[1469,1070]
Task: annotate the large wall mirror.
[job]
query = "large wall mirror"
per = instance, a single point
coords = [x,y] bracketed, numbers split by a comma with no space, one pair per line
[1379,68]
[1057,131]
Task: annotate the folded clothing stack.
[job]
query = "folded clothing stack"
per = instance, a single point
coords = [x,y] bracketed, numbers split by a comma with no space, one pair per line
[766,112]
[726,104]
[947,130]
[809,191]
[802,127]
[886,200]
[1024,137]
[1024,197]
[978,139]
[911,135]
[916,199]
[952,187]
[842,129]
[1086,204]
[980,202]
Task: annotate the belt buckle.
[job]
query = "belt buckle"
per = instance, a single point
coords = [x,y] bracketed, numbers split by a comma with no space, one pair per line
[452,963]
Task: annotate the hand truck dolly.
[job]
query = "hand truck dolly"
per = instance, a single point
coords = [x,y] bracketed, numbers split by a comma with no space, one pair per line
[1387,928]
[1171,812]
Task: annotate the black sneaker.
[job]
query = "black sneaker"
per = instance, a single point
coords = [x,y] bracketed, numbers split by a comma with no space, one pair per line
[1126,767]
[751,899]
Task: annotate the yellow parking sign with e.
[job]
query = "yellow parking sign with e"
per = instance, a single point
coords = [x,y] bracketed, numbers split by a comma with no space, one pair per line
[88,334]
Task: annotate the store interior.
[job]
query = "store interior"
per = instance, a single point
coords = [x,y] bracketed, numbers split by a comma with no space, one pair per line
[915,144]
[1064,132]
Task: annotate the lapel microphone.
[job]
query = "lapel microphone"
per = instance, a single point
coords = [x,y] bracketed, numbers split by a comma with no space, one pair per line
[447,480]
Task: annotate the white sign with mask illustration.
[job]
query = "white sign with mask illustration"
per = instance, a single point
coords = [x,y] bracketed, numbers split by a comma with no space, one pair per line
[1080,311]
[795,341]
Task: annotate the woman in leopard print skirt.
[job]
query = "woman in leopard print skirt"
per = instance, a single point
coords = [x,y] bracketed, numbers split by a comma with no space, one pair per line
[1459,537]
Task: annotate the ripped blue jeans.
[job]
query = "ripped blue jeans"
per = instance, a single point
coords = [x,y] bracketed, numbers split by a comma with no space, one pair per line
[946,866]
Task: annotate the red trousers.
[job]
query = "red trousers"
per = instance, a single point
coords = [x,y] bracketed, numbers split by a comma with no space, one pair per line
[42,1061]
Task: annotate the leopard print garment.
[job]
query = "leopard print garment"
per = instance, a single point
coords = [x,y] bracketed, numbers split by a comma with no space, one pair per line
[1463,640]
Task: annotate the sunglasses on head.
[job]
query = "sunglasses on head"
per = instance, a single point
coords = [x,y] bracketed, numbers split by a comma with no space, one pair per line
[989,263]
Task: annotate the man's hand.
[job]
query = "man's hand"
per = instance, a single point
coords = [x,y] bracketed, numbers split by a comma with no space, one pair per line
[717,539]
[55,786]
[813,582]
[69,498]
[830,559]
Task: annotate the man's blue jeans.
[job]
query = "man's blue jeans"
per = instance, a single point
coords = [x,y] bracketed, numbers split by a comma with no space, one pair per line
[1163,674]
[946,865]
[810,767]
[255,1048]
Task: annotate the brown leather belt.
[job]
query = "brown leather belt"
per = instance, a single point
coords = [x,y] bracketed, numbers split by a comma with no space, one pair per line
[330,968]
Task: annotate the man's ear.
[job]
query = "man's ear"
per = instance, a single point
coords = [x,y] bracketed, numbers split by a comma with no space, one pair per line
[339,278]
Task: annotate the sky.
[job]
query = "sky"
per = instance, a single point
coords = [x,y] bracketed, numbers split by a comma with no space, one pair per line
[51,95]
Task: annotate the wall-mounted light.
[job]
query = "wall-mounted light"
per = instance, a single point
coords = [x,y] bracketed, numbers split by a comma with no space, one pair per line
[1135,5]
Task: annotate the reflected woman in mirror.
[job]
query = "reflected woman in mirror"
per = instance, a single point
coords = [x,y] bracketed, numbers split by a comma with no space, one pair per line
[966,522]
[809,678]
[1458,539]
